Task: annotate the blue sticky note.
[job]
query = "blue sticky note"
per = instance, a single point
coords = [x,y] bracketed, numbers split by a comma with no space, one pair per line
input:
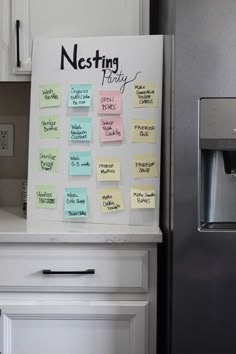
[80,95]
[76,202]
[80,129]
[80,163]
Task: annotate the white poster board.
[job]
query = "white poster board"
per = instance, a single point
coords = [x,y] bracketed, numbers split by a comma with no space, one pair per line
[129,65]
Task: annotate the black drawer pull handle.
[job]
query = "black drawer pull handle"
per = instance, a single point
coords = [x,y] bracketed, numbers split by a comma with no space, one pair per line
[18,63]
[52,272]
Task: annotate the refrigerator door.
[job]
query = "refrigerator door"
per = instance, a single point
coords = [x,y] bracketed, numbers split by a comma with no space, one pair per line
[204,270]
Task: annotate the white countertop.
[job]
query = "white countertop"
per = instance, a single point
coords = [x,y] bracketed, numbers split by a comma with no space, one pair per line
[15,228]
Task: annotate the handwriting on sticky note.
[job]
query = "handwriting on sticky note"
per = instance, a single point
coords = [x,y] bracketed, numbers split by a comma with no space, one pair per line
[49,127]
[48,159]
[80,95]
[80,163]
[80,129]
[143,197]
[145,95]
[111,129]
[109,102]
[50,95]
[145,165]
[108,169]
[45,197]
[143,131]
[111,200]
[76,202]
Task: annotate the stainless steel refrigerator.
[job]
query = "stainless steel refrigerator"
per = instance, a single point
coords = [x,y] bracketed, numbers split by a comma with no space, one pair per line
[197,270]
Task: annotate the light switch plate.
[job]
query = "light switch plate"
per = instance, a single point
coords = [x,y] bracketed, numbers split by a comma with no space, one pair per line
[6,139]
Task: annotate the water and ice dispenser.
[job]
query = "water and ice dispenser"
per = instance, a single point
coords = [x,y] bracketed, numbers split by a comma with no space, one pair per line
[217,163]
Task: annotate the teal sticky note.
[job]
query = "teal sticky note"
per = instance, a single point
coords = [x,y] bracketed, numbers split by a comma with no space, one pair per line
[80,129]
[80,95]
[76,202]
[80,163]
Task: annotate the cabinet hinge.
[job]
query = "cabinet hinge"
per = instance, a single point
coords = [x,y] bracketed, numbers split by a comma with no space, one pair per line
[0,316]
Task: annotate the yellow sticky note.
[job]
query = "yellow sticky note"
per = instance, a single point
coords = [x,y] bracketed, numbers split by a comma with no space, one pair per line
[111,200]
[144,131]
[143,197]
[145,95]
[145,165]
[108,169]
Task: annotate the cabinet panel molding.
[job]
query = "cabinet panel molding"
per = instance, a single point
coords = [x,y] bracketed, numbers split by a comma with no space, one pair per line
[108,327]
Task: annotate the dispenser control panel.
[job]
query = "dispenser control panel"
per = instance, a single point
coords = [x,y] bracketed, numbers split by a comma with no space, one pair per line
[218,118]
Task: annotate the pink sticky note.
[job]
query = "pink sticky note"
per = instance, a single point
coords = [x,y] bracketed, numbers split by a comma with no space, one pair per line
[109,102]
[111,129]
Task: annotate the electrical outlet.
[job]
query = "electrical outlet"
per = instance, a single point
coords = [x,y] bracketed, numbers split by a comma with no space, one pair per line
[6,139]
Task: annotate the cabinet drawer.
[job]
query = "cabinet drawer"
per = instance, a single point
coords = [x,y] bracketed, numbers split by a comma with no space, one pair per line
[114,270]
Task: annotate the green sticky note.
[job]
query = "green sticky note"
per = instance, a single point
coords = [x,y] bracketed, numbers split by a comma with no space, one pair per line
[50,95]
[80,95]
[48,159]
[80,129]
[45,197]
[49,127]
[76,202]
[80,163]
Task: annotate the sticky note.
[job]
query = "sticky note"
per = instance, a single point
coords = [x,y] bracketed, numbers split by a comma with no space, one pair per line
[49,127]
[111,129]
[45,197]
[50,95]
[80,95]
[80,129]
[145,95]
[111,200]
[143,197]
[80,163]
[109,102]
[145,165]
[144,131]
[108,169]
[76,202]
[48,159]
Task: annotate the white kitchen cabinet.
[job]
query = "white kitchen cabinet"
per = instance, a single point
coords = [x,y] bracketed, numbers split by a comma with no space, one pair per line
[111,311]
[23,20]
[98,327]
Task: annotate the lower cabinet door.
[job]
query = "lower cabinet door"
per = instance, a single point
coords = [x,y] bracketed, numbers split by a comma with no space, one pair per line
[85,328]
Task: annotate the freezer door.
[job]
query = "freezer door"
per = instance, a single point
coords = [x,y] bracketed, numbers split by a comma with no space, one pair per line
[204,271]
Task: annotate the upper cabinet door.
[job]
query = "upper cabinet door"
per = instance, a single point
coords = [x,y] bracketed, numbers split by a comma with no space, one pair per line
[68,18]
